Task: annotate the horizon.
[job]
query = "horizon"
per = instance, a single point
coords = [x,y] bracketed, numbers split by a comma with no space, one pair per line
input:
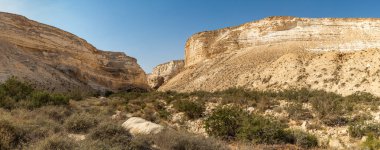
[155,32]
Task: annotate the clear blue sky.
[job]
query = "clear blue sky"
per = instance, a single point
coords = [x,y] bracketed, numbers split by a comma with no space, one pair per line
[155,31]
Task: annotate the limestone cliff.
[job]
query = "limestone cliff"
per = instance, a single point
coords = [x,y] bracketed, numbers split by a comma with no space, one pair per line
[164,72]
[335,54]
[60,61]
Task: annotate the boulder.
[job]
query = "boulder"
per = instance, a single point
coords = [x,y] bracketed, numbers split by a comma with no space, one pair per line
[140,126]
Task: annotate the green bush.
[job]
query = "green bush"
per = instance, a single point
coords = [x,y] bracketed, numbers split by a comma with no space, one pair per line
[262,130]
[193,110]
[10,135]
[80,123]
[371,143]
[57,113]
[304,139]
[40,98]
[327,104]
[15,89]
[224,122]
[233,123]
[7,102]
[14,93]
[111,136]
[296,111]
[360,129]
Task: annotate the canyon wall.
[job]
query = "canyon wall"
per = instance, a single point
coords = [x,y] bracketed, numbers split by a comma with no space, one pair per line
[334,54]
[164,72]
[60,61]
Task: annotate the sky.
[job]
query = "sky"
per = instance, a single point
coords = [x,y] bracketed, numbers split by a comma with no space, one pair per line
[155,31]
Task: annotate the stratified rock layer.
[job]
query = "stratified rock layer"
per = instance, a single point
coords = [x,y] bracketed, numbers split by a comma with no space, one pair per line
[164,72]
[53,59]
[334,54]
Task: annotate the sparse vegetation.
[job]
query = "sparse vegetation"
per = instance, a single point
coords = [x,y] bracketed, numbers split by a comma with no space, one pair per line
[80,123]
[10,135]
[371,143]
[110,135]
[56,142]
[303,139]
[296,111]
[224,122]
[193,110]
[360,129]
[35,119]
[14,93]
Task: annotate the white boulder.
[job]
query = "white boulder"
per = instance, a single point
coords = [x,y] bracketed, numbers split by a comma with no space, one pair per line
[140,126]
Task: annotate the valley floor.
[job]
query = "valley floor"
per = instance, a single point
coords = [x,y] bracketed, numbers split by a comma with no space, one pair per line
[230,119]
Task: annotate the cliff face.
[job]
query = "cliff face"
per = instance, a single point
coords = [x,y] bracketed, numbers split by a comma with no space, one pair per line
[164,72]
[57,60]
[334,54]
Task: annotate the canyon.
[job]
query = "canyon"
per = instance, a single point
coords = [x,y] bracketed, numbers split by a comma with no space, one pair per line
[164,72]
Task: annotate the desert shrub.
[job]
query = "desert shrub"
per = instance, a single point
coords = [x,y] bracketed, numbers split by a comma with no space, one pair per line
[15,89]
[335,120]
[361,117]
[224,122]
[56,142]
[111,136]
[362,97]
[164,114]
[142,143]
[77,94]
[360,129]
[14,93]
[304,139]
[80,123]
[300,95]
[371,143]
[56,113]
[193,110]
[39,98]
[328,104]
[127,96]
[7,102]
[10,135]
[263,130]
[233,123]
[181,140]
[296,111]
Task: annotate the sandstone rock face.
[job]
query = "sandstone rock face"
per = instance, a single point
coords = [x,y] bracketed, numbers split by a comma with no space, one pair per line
[163,72]
[334,54]
[139,126]
[60,61]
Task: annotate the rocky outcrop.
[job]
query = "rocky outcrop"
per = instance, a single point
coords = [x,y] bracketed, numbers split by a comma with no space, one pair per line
[164,72]
[139,126]
[56,60]
[334,54]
